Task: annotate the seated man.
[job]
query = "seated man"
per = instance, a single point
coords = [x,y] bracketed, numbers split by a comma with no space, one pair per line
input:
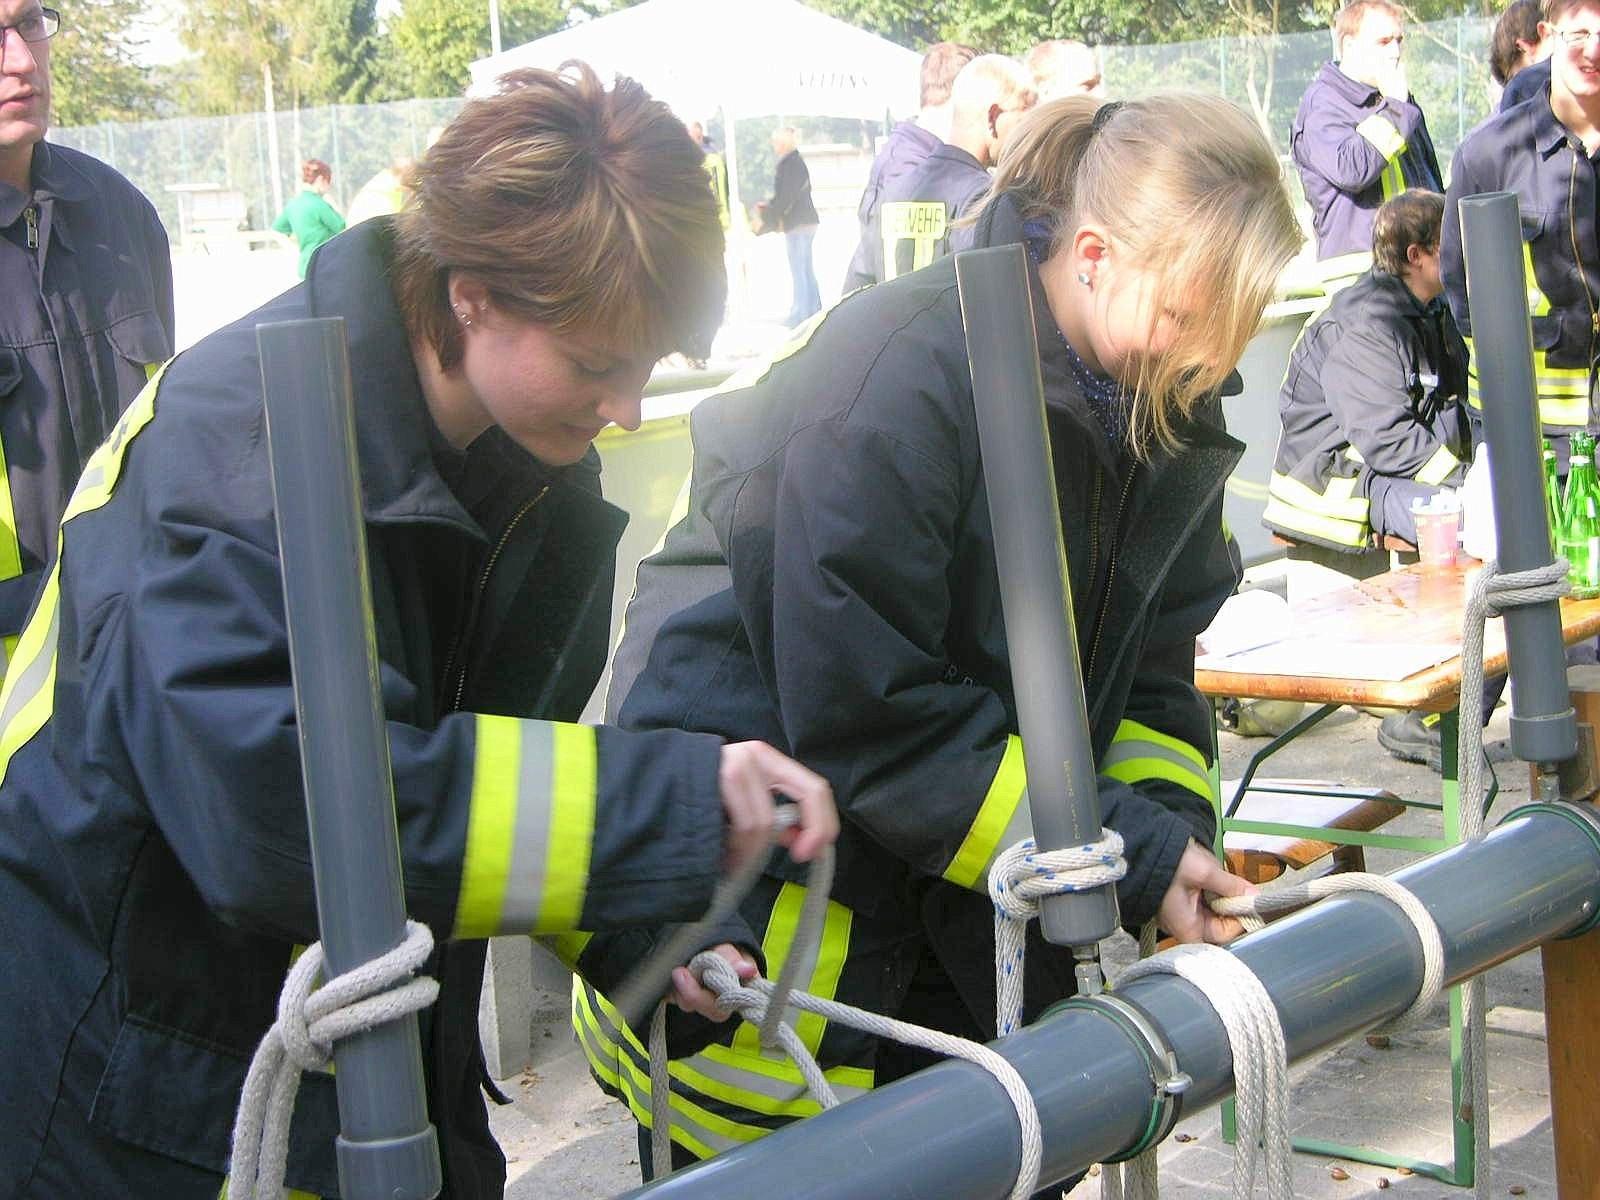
[1371,402]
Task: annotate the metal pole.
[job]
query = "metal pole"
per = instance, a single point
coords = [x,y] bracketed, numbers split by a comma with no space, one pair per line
[386,1146]
[1543,727]
[494,26]
[1035,593]
[1332,971]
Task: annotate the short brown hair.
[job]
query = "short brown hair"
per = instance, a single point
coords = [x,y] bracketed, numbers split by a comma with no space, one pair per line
[940,66]
[314,169]
[1410,219]
[1347,21]
[576,205]
[1519,23]
[1551,11]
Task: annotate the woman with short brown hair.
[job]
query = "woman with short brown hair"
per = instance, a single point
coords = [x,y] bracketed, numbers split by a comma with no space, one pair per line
[154,865]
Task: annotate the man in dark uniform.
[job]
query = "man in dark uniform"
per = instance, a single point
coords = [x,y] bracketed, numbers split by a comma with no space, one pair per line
[918,210]
[1359,137]
[87,279]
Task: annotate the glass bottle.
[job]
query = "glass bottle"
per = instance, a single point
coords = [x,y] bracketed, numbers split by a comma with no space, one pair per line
[1580,525]
[1553,507]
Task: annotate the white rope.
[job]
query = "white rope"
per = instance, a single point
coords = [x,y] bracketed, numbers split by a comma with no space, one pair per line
[1492,593]
[310,1020]
[1018,879]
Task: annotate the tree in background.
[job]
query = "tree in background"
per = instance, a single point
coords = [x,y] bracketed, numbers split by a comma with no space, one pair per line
[94,68]
[435,41]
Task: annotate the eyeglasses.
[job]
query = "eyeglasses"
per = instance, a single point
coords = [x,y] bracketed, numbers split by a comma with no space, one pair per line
[1576,37]
[40,25]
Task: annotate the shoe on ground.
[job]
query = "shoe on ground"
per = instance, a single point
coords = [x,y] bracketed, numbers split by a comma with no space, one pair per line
[1413,737]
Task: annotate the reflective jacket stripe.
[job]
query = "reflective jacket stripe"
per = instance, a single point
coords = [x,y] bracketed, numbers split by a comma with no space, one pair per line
[1563,391]
[529,829]
[289,1194]
[1383,135]
[1438,467]
[921,222]
[1334,515]
[824,979]
[568,947]
[1003,820]
[28,696]
[1140,752]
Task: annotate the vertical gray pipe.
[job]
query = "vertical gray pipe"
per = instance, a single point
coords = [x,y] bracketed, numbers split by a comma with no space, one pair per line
[1035,593]
[1543,726]
[1332,970]
[386,1147]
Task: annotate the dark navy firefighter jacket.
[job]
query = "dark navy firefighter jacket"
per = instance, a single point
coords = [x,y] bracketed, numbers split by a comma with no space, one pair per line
[154,867]
[905,149]
[917,211]
[833,588]
[1355,148]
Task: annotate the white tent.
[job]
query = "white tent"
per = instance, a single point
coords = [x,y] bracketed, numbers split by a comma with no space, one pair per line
[746,57]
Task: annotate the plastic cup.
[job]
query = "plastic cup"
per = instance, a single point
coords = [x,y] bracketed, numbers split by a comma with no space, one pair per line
[1436,538]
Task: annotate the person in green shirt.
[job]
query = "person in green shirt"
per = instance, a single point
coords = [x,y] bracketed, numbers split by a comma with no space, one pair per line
[309,218]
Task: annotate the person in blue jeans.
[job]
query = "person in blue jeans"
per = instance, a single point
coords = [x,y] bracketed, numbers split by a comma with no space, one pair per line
[789,211]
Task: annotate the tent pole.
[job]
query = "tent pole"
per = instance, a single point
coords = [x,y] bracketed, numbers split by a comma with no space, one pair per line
[738,220]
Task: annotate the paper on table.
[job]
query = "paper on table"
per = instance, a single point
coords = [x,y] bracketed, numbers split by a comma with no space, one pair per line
[1247,620]
[1332,659]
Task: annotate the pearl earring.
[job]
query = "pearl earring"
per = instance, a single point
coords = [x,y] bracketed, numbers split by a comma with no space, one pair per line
[1083,278]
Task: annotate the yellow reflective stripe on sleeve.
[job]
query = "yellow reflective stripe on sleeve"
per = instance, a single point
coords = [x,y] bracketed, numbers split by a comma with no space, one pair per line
[1003,820]
[10,546]
[1354,455]
[824,979]
[28,695]
[1139,752]
[1329,529]
[1335,515]
[1437,469]
[525,868]
[1382,134]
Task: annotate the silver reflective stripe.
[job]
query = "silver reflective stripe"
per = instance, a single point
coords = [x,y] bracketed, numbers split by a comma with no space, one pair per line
[530,840]
[31,680]
[1125,749]
[759,1082]
[1020,826]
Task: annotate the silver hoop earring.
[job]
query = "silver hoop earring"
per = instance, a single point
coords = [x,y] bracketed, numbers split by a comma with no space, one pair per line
[1083,278]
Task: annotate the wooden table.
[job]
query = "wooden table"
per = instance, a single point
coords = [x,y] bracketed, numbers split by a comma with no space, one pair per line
[1401,608]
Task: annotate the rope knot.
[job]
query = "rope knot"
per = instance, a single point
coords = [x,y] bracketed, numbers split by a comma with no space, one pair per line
[1023,875]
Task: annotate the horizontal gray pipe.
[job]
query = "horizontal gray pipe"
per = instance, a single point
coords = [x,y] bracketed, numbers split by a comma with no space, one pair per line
[1332,970]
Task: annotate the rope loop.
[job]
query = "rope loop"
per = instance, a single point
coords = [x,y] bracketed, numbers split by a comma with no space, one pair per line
[310,1020]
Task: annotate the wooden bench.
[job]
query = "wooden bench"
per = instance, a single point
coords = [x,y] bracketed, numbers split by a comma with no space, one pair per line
[1263,857]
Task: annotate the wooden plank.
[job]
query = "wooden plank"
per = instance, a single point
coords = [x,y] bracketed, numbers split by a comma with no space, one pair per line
[1571,983]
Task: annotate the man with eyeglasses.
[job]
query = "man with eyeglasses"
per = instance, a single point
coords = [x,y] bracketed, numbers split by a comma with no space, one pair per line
[1359,137]
[86,282]
[1544,150]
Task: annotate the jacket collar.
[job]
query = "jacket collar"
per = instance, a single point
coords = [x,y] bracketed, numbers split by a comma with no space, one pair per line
[349,278]
[1549,134]
[55,177]
[1353,90]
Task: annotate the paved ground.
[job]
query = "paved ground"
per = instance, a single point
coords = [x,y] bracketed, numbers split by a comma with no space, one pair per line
[564,1138]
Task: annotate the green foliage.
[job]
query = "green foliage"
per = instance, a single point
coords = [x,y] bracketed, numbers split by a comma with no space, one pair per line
[94,70]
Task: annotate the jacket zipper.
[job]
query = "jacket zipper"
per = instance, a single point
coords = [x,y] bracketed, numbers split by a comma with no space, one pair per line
[477,597]
[1583,275]
[31,216]
[1111,571]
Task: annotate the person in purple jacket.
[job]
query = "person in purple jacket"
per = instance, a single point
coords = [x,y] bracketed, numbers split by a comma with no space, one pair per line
[1359,137]
[907,147]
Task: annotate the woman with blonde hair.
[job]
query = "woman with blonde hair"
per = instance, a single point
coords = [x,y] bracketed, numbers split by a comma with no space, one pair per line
[155,872]
[832,587]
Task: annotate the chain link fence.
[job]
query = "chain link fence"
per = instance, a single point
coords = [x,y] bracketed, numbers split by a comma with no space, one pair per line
[1446,61]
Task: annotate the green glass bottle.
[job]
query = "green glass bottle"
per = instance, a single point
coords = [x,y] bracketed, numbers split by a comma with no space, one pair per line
[1552,493]
[1580,525]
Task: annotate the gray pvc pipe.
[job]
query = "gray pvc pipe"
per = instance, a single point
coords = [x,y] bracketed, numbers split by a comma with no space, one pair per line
[1332,970]
[386,1147]
[1543,726]
[1035,593]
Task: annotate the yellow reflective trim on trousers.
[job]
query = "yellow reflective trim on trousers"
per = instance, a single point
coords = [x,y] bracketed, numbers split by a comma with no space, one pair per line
[1337,498]
[1329,529]
[1438,467]
[776,944]
[568,947]
[577,772]
[491,824]
[1004,804]
[1383,135]
[27,697]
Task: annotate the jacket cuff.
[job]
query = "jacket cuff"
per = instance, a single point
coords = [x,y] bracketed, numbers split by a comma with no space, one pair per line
[1151,868]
